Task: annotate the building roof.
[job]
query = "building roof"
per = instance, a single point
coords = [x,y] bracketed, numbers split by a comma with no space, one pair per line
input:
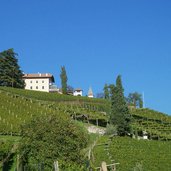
[39,75]
[78,89]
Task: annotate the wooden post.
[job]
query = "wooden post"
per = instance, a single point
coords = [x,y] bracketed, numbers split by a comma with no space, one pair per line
[56,165]
[114,168]
[97,122]
[103,166]
[18,162]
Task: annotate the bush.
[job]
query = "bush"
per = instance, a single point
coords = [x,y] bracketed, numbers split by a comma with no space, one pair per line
[52,138]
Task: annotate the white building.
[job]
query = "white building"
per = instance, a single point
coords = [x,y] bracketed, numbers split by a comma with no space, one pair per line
[39,82]
[90,93]
[78,92]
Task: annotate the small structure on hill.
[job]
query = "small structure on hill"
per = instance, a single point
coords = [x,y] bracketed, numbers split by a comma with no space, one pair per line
[145,135]
[40,82]
[78,92]
[90,93]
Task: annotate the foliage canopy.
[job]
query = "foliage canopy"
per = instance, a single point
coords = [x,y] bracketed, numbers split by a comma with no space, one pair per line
[10,72]
[119,110]
[135,99]
[52,138]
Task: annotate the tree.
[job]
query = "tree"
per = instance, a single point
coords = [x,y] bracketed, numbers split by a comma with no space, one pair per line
[64,80]
[70,89]
[50,138]
[10,72]
[119,110]
[135,99]
[106,91]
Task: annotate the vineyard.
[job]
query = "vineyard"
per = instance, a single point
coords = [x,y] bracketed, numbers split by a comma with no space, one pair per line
[18,108]
[157,124]
[133,154]
[96,104]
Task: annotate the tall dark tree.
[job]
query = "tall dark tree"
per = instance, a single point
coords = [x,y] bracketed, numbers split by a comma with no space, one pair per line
[135,99]
[119,110]
[10,72]
[64,80]
[106,91]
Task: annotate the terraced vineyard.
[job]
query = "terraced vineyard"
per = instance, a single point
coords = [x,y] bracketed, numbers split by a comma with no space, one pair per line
[157,124]
[20,106]
[16,108]
[15,111]
[95,104]
[133,154]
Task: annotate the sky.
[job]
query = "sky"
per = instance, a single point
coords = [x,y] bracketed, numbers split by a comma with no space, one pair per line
[96,40]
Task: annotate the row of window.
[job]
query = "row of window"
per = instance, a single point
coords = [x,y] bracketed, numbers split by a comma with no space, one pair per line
[36,81]
[37,87]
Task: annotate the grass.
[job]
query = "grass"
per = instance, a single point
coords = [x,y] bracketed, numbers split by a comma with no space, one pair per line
[9,138]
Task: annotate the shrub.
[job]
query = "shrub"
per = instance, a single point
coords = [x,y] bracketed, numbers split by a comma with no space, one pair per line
[51,138]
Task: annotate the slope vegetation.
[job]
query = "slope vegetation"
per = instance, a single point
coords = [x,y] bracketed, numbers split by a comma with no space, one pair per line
[133,154]
[20,106]
[157,124]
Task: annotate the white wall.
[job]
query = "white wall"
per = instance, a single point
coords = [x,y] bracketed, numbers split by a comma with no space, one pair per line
[78,93]
[39,84]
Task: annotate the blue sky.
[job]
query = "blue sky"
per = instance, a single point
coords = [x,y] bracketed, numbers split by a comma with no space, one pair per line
[95,40]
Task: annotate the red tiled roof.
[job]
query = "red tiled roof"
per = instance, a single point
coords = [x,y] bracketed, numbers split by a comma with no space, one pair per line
[39,75]
[78,89]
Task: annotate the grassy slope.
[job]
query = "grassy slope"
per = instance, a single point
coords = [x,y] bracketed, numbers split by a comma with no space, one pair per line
[157,124]
[53,96]
[18,106]
[131,153]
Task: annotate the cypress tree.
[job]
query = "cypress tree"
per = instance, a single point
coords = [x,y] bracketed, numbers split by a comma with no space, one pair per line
[119,110]
[10,72]
[64,80]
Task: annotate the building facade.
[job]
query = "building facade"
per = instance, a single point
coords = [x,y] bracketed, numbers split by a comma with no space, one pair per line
[38,82]
[78,92]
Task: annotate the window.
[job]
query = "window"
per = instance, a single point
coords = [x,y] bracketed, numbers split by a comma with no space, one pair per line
[43,87]
[30,81]
[36,87]
[36,81]
[30,87]
[42,81]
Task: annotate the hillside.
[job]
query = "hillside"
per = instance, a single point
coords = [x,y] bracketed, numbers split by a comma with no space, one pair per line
[19,106]
[98,104]
[157,124]
[133,154]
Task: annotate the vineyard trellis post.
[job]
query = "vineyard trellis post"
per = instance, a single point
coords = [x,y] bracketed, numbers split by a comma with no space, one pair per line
[56,166]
